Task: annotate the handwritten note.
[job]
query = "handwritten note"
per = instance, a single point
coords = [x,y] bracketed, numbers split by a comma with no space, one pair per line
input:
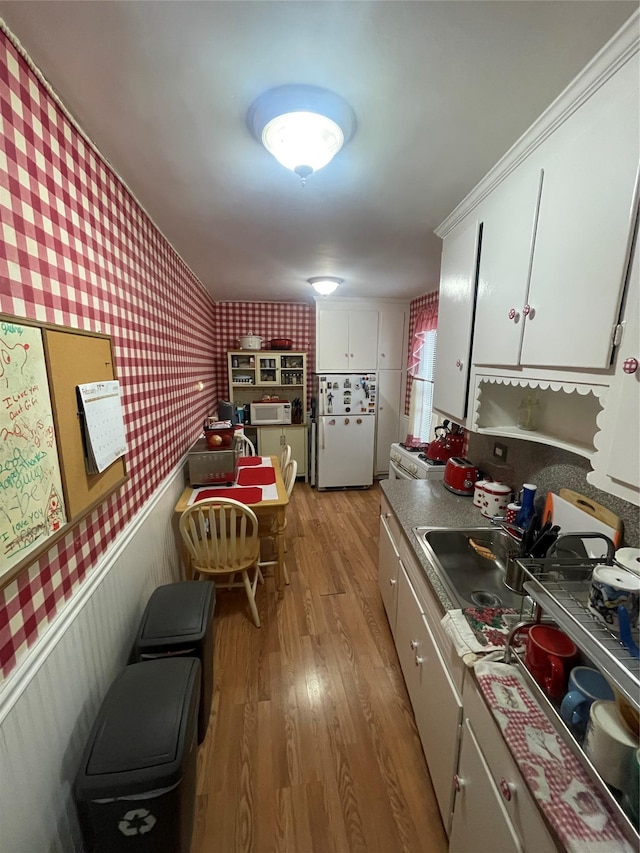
[104,425]
[31,501]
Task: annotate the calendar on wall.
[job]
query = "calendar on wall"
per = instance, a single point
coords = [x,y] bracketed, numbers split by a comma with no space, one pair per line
[101,415]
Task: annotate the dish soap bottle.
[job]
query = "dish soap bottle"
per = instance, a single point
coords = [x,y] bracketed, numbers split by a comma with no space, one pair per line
[527,509]
[528,412]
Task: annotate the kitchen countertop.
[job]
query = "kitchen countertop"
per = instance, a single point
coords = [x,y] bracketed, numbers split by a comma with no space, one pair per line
[427,502]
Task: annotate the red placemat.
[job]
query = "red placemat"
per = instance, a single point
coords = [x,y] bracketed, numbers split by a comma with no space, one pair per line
[262,476]
[249,461]
[245,496]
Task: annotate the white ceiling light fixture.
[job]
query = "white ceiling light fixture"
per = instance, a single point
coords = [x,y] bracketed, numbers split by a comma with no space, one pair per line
[324,284]
[304,127]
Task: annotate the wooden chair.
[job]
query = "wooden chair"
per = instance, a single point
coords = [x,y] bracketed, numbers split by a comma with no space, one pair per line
[247,447]
[267,528]
[285,457]
[221,536]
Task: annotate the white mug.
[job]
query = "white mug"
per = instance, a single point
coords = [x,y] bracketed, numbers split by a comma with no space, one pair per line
[608,744]
[612,586]
[495,499]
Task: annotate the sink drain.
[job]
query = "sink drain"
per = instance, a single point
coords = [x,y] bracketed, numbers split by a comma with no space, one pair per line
[485,599]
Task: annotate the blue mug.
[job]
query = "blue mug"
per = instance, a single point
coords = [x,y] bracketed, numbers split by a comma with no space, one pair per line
[585,686]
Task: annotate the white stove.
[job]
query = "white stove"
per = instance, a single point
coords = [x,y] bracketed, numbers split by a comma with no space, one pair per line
[405,464]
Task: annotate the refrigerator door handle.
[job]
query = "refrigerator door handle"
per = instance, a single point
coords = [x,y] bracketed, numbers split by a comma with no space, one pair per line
[322,433]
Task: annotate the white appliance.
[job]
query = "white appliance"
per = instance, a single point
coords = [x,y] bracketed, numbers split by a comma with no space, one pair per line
[270,412]
[345,429]
[412,464]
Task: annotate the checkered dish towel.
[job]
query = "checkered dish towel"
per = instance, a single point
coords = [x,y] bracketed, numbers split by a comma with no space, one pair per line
[581,817]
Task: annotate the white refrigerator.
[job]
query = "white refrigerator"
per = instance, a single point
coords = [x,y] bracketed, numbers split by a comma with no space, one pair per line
[345,429]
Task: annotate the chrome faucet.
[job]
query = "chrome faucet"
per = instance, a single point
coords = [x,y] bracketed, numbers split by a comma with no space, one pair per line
[509,528]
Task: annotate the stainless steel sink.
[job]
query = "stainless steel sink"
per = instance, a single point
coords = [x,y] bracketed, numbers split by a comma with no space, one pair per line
[472,563]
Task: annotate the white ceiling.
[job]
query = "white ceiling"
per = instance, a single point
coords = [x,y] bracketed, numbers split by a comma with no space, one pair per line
[441,90]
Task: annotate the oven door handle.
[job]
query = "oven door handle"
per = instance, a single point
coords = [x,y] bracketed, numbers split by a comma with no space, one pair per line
[400,473]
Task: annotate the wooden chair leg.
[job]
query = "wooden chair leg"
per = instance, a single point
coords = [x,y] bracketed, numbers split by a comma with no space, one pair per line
[251,597]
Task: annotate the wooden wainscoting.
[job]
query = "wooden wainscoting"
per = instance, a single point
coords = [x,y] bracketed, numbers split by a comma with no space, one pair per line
[312,745]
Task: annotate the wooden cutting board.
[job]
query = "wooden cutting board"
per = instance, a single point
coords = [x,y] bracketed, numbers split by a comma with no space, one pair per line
[576,513]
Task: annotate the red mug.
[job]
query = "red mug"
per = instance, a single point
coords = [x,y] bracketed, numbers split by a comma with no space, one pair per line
[550,656]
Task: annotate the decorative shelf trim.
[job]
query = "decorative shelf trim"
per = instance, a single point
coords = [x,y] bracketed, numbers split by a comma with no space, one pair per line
[546,384]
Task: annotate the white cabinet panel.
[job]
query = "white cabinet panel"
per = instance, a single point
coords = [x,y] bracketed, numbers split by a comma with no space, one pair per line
[388,568]
[617,463]
[436,704]
[346,340]
[390,387]
[272,438]
[479,809]
[590,166]
[391,350]
[332,332]
[505,261]
[455,321]
[363,340]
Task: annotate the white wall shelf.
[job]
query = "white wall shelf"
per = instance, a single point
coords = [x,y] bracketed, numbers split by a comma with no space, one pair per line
[568,413]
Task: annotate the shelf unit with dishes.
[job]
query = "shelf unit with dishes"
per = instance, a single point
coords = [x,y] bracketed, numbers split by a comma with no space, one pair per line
[567,413]
[267,369]
[559,590]
[276,374]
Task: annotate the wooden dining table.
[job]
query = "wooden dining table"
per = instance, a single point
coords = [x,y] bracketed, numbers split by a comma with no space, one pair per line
[251,493]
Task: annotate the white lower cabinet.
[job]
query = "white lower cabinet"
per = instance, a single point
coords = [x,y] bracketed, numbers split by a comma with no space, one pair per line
[479,809]
[271,440]
[492,803]
[388,570]
[436,704]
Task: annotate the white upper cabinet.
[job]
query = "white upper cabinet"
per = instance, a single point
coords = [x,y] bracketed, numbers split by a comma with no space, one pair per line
[391,350]
[505,260]
[346,340]
[617,460]
[590,166]
[458,274]
[555,239]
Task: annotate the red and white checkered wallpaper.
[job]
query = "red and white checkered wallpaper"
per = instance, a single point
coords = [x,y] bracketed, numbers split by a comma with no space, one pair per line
[268,320]
[77,250]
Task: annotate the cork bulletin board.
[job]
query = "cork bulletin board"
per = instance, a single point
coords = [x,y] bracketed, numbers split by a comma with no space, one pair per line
[44,485]
[75,359]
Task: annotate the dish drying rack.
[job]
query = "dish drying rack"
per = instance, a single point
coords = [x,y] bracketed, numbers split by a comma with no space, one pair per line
[559,588]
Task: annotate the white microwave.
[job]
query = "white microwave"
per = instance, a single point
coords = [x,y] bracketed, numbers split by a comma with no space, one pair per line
[270,412]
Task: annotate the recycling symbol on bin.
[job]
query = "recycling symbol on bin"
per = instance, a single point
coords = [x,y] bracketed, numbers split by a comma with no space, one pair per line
[137,822]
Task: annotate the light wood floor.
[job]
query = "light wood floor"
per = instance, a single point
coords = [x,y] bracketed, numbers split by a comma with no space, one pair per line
[312,745]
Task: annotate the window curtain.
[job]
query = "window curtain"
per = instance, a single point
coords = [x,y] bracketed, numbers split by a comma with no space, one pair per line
[420,373]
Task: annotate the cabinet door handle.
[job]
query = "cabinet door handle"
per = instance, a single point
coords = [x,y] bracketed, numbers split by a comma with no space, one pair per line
[419,660]
[392,581]
[526,310]
[458,784]
[382,355]
[414,644]
[387,515]
[459,363]
[630,365]
[506,789]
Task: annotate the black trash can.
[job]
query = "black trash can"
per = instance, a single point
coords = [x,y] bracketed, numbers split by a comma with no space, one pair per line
[178,622]
[135,789]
